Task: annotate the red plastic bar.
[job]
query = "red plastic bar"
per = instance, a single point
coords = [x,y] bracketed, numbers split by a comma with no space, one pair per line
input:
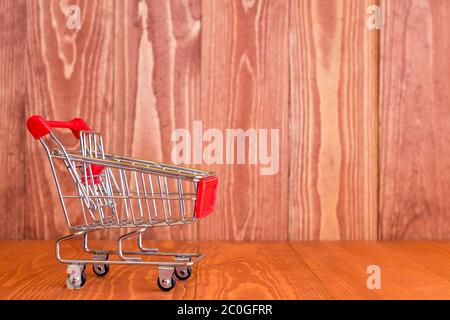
[40,127]
[206,197]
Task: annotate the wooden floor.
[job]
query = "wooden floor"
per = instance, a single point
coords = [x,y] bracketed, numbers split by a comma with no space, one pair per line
[259,270]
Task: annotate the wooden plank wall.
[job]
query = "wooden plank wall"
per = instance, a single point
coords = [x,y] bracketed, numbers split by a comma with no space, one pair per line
[12,118]
[245,84]
[69,72]
[415,120]
[362,114]
[333,122]
[156,81]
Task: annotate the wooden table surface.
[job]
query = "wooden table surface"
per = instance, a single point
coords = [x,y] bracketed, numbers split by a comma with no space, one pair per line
[258,270]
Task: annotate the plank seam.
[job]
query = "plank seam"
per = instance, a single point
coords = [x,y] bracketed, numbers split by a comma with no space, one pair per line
[289,189]
[378,130]
[23,117]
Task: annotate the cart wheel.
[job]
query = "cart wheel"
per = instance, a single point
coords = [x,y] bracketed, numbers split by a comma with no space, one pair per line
[166,284]
[183,273]
[83,278]
[74,282]
[100,269]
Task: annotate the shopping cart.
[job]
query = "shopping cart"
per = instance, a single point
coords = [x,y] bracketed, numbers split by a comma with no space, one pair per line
[101,191]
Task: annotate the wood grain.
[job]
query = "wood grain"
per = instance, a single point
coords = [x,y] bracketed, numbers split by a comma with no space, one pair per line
[256,270]
[232,270]
[245,85]
[333,122]
[31,272]
[358,159]
[12,107]
[408,270]
[69,74]
[156,81]
[415,120]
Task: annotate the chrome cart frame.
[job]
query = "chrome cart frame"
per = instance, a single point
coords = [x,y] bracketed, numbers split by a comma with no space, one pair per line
[102,191]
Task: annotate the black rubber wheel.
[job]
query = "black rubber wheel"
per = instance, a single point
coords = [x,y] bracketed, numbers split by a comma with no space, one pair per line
[183,275]
[72,286]
[100,269]
[166,288]
[83,279]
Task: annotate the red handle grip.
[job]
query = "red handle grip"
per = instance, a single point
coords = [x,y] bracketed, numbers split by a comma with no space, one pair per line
[206,196]
[40,127]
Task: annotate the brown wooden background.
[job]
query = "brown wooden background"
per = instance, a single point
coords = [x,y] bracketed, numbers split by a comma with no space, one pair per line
[364,115]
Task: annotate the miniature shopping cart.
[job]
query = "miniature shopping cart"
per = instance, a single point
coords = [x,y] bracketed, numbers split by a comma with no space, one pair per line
[100,191]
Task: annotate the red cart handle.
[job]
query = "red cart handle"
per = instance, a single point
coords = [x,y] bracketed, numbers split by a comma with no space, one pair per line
[40,127]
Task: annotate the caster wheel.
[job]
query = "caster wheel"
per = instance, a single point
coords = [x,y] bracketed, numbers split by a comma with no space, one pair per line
[100,269]
[74,282]
[166,284]
[183,273]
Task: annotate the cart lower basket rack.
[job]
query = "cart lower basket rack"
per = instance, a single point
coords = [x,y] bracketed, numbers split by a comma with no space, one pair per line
[101,191]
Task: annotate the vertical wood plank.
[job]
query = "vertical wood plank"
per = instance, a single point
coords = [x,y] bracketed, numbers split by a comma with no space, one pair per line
[69,74]
[333,121]
[12,122]
[415,120]
[245,85]
[156,81]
